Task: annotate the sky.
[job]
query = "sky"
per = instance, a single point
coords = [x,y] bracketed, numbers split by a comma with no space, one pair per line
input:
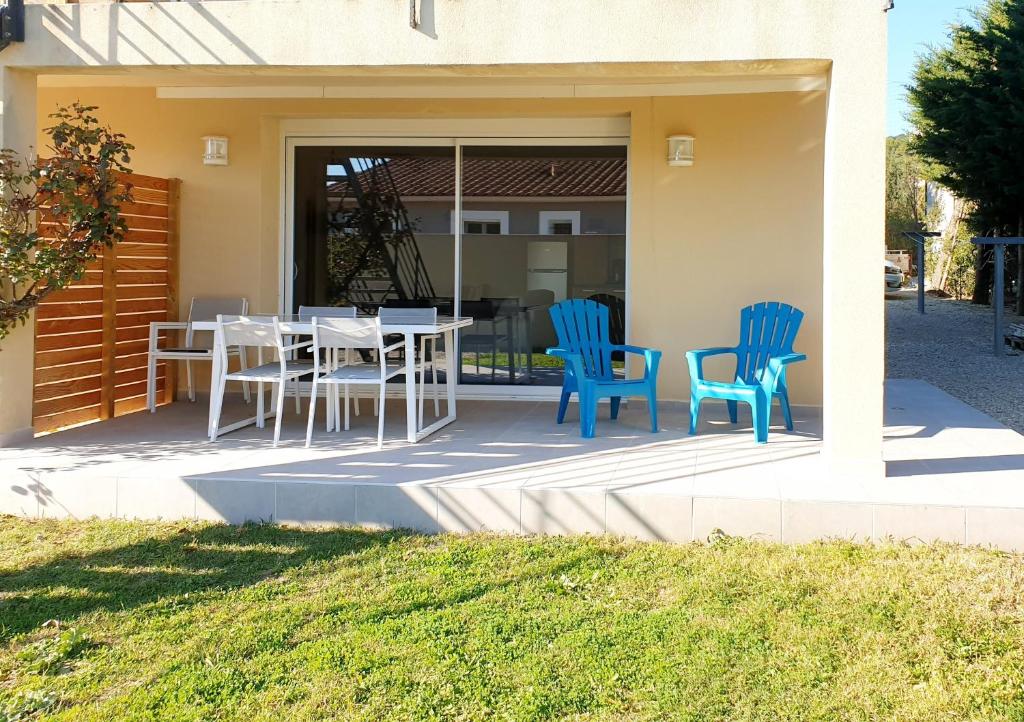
[913,25]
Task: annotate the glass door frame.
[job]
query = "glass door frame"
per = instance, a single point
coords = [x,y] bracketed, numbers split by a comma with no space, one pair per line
[293,140]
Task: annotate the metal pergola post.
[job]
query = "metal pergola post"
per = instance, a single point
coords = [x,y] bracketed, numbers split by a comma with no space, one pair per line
[918,238]
[999,244]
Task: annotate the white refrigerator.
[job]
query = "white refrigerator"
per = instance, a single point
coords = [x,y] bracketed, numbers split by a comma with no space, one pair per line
[547,267]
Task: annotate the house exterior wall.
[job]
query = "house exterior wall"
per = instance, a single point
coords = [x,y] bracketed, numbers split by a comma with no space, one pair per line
[742,225]
[753,151]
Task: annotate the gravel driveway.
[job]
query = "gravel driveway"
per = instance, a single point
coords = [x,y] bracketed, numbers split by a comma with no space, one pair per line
[951,347]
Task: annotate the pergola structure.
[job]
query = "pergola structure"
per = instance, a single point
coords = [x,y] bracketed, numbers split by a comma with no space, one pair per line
[999,244]
[918,238]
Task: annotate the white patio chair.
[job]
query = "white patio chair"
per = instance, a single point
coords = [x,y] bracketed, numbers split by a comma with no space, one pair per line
[306,314]
[200,309]
[425,316]
[351,333]
[261,333]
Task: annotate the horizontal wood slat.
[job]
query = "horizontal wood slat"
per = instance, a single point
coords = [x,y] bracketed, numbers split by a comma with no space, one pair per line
[64,342]
[130,406]
[92,337]
[67,403]
[133,278]
[135,375]
[150,290]
[138,180]
[74,294]
[142,305]
[153,210]
[68,325]
[66,372]
[63,419]
[71,387]
[145,236]
[141,264]
[145,223]
[132,320]
[66,356]
[69,310]
[149,195]
[134,361]
[142,250]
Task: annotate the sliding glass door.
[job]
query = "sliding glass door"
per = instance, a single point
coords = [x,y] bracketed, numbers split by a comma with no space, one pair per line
[375,225]
[358,241]
[540,224]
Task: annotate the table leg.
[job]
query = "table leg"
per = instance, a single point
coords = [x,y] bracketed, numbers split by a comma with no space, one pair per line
[450,361]
[529,349]
[410,387]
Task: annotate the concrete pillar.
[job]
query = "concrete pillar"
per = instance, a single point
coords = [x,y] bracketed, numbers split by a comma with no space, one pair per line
[17,131]
[854,238]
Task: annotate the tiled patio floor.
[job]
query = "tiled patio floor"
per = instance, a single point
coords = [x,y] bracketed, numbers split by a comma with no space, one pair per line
[506,466]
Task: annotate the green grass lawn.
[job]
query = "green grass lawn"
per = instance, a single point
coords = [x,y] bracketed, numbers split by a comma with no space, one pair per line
[540,361]
[126,621]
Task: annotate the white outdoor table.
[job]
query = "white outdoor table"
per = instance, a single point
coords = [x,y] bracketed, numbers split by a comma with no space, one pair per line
[294,326]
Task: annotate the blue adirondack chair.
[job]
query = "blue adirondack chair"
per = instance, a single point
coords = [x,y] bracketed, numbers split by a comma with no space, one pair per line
[767,332]
[585,345]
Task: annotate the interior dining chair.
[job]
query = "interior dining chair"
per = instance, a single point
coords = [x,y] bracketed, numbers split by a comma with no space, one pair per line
[202,308]
[356,334]
[428,316]
[307,314]
[263,334]
[485,317]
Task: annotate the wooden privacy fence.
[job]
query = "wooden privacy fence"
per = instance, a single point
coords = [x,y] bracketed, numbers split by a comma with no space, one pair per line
[92,338]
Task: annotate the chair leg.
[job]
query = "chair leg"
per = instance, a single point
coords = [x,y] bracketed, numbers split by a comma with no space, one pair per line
[761,410]
[423,382]
[259,405]
[563,404]
[733,407]
[380,419]
[217,399]
[346,408]
[336,399]
[312,413]
[188,377]
[694,412]
[246,394]
[298,401]
[355,399]
[615,401]
[588,413]
[433,371]
[652,409]
[787,414]
[151,383]
[282,387]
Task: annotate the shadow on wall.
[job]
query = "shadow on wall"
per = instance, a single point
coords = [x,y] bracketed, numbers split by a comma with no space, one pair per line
[65,23]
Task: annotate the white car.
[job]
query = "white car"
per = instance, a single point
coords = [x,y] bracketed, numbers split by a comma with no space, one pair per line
[893,276]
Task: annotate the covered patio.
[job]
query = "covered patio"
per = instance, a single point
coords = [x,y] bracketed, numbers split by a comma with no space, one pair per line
[952,474]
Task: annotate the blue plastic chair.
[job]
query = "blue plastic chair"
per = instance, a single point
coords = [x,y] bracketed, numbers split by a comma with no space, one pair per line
[585,345]
[767,332]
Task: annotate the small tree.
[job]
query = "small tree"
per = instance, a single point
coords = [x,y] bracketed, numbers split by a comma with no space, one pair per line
[905,203]
[57,214]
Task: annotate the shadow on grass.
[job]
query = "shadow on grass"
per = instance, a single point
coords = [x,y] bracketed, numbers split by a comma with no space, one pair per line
[176,569]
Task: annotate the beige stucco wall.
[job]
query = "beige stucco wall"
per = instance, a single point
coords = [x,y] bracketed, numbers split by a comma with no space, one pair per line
[460,49]
[743,224]
[17,130]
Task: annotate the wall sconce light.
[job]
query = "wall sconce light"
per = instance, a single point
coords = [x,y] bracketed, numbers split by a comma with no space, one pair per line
[680,150]
[216,150]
